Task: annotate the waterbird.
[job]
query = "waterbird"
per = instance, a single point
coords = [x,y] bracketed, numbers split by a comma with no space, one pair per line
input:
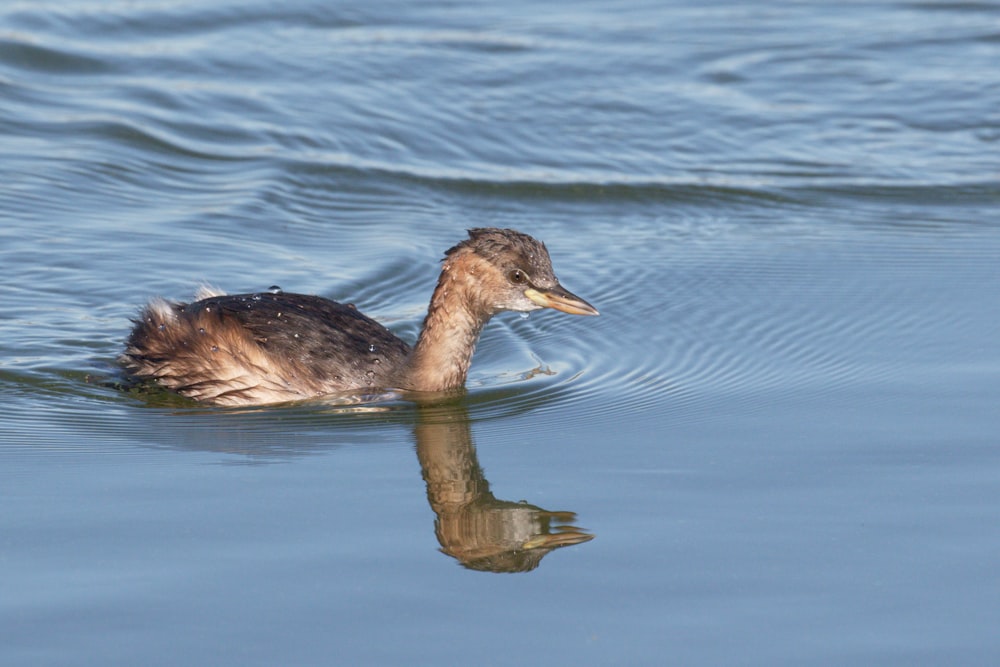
[273,346]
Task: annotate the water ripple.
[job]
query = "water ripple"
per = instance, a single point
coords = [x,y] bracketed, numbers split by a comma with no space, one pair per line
[724,204]
[799,327]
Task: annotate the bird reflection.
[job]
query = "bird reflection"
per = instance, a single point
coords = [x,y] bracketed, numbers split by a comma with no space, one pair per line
[472,526]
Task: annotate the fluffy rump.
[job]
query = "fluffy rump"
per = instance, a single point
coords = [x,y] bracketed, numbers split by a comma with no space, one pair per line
[199,353]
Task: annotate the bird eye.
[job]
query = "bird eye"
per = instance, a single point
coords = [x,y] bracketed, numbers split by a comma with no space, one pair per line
[517,277]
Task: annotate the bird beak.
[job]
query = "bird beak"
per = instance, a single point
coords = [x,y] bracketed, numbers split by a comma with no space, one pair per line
[560,299]
[556,540]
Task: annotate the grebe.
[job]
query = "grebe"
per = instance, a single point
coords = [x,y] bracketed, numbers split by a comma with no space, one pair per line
[270,347]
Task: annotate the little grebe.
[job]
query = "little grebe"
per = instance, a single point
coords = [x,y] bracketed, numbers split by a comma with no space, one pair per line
[247,349]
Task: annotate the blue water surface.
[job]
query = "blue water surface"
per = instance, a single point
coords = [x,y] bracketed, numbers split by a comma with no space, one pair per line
[778,445]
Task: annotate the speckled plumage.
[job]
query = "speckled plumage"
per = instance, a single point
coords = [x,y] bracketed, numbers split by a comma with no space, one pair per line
[272,346]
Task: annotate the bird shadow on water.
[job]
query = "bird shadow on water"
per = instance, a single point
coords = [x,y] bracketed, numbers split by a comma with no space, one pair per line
[479,530]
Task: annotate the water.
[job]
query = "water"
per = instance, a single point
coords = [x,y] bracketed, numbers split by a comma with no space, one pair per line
[777,445]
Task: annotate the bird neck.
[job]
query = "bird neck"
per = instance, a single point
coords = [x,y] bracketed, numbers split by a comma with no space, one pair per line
[440,360]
